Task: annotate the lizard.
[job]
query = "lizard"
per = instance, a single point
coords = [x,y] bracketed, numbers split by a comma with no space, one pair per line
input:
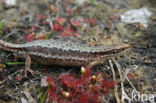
[55,52]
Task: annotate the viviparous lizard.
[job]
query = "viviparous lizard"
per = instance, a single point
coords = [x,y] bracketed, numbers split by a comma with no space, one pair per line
[54,52]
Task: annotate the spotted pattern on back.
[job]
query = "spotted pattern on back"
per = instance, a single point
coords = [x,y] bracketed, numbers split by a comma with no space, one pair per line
[67,46]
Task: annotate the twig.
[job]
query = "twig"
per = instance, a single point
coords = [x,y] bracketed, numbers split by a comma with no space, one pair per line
[49,19]
[11,76]
[30,98]
[115,87]
[58,7]
[123,93]
[129,82]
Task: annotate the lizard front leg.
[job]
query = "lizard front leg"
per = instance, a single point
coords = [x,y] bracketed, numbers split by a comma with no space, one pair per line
[28,64]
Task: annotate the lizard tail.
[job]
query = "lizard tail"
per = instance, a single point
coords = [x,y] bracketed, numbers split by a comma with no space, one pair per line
[9,46]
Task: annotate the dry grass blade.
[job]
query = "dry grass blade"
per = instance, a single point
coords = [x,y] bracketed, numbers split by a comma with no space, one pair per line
[130,82]
[115,87]
[124,96]
[30,98]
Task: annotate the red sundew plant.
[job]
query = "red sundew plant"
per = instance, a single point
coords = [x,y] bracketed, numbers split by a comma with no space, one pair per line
[40,16]
[70,30]
[92,21]
[61,20]
[58,27]
[32,35]
[76,23]
[45,22]
[131,75]
[86,88]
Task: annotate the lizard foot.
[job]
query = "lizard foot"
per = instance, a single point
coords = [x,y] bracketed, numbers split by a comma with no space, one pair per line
[33,73]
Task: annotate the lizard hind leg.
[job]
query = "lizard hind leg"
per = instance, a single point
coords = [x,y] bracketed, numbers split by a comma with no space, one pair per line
[94,63]
[28,64]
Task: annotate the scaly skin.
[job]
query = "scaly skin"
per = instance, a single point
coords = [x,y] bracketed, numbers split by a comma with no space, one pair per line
[53,52]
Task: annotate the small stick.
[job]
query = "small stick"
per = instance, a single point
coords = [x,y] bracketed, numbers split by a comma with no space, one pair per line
[115,87]
[130,82]
[9,76]
[123,93]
